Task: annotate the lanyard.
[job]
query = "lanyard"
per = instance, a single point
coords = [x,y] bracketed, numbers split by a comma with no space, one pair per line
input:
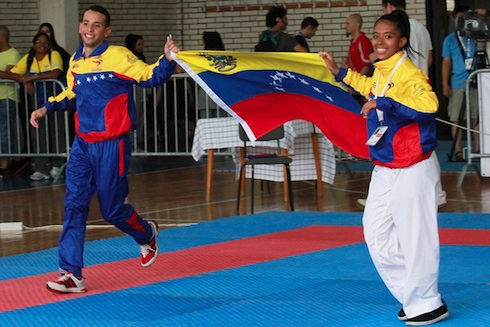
[400,61]
[466,49]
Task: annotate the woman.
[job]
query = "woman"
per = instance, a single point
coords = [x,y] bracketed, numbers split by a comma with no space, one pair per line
[41,64]
[136,44]
[400,218]
[212,41]
[47,29]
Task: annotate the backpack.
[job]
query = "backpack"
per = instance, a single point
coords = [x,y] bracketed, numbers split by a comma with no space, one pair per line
[267,42]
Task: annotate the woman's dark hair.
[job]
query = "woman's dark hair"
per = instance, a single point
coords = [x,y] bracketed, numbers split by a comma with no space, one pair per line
[130,43]
[32,51]
[402,23]
[212,41]
[274,13]
[52,38]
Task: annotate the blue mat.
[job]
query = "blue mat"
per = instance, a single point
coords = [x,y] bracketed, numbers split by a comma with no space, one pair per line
[333,287]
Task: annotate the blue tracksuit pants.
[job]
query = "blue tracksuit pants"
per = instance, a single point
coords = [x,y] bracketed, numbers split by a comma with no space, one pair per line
[97,167]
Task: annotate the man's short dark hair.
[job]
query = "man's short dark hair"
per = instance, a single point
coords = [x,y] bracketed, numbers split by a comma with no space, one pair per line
[460,9]
[274,13]
[103,11]
[309,21]
[398,4]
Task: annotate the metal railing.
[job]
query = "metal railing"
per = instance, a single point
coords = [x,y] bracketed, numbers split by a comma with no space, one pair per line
[166,119]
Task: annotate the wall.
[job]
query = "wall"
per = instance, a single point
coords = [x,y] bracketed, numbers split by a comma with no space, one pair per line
[238,21]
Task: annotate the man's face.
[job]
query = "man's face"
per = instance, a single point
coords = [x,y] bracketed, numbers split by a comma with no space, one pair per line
[349,26]
[92,29]
[282,22]
[310,32]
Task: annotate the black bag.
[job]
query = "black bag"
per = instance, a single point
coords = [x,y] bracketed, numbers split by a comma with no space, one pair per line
[267,42]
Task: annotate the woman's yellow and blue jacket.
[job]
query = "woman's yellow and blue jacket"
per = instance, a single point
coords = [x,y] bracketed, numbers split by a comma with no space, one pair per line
[408,106]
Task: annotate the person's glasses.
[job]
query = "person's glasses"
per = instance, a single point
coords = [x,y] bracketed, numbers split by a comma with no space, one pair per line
[41,42]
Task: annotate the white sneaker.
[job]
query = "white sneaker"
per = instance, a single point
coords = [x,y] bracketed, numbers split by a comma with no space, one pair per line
[54,172]
[67,283]
[361,202]
[441,201]
[38,176]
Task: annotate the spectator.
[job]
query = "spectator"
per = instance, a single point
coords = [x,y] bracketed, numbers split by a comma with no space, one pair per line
[42,63]
[309,25]
[457,62]
[101,152]
[206,107]
[421,53]
[360,46]
[136,43]
[48,29]
[277,21]
[9,56]
[212,41]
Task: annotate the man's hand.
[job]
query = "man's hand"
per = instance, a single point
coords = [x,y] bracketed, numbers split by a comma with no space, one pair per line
[38,114]
[169,47]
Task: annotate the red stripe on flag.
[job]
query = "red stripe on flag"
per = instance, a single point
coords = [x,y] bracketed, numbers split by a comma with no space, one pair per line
[344,128]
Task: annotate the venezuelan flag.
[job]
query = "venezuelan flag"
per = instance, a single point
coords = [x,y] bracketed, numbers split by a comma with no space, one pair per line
[263,90]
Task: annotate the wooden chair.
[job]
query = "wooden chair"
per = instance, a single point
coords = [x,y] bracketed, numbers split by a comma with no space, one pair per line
[273,158]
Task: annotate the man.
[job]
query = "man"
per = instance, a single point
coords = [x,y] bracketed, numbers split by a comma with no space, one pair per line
[100,83]
[419,37]
[457,62]
[360,46]
[276,21]
[309,25]
[421,55]
[9,56]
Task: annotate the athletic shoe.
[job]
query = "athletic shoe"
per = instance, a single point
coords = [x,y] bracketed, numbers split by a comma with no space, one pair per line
[361,202]
[54,172]
[401,315]
[3,173]
[38,176]
[149,252]
[429,318]
[68,283]
[441,199]
[441,202]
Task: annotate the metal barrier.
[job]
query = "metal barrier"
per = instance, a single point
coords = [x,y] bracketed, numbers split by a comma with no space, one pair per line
[166,119]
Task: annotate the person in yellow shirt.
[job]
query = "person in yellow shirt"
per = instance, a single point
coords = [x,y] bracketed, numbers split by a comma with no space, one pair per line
[9,56]
[41,64]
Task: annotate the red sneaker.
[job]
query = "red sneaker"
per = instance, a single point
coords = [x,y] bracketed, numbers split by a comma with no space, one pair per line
[68,283]
[149,252]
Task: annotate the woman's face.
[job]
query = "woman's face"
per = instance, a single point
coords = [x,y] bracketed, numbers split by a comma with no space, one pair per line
[386,39]
[46,31]
[42,45]
[139,46]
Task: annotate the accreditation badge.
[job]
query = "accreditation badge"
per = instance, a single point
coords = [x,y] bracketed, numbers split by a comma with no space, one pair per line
[377,135]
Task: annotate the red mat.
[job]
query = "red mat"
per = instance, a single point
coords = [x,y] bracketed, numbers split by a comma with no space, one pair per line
[31,291]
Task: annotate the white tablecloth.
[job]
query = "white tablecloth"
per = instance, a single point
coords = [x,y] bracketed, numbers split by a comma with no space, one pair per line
[221,133]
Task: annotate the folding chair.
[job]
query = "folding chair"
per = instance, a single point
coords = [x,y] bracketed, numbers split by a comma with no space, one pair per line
[274,158]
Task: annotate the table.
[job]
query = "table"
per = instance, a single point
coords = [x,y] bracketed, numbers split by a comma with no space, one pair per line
[301,139]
